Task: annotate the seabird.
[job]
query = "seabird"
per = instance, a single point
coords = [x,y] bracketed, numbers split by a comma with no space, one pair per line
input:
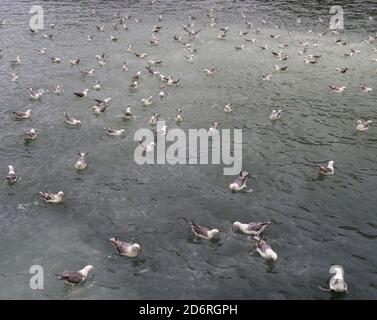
[100,108]
[100,28]
[147,148]
[240,183]
[11,177]
[96,85]
[75,277]
[129,49]
[52,197]
[342,70]
[172,81]
[154,62]
[89,37]
[210,71]
[114,132]
[327,171]
[87,73]
[124,248]
[243,33]
[190,57]
[13,77]
[41,50]
[141,55]
[228,108]
[133,85]
[47,36]
[36,94]
[114,39]
[275,114]
[336,283]
[365,88]
[82,94]
[239,47]
[104,101]
[30,135]
[55,60]
[136,76]
[281,68]
[336,88]
[162,93]
[74,61]
[252,228]
[213,129]
[126,114]
[178,117]
[22,115]
[265,250]
[16,61]
[124,66]
[363,125]
[203,232]
[267,76]
[154,118]
[71,120]
[147,101]
[81,162]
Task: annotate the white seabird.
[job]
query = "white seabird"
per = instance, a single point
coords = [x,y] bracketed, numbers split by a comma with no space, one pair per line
[22,115]
[363,125]
[336,88]
[327,171]
[275,114]
[81,162]
[52,197]
[114,132]
[214,129]
[55,60]
[126,114]
[204,232]
[11,177]
[336,283]
[74,61]
[154,118]
[365,88]
[210,71]
[71,120]
[178,117]
[30,135]
[265,250]
[228,108]
[240,183]
[75,277]
[147,101]
[36,94]
[82,94]
[252,228]
[124,248]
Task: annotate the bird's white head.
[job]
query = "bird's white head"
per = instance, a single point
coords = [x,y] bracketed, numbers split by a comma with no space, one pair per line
[61,194]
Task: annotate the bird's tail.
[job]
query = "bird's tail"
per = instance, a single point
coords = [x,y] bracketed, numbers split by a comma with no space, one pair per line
[324,289]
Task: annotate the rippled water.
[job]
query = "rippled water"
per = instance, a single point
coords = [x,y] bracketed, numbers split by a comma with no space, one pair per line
[315,222]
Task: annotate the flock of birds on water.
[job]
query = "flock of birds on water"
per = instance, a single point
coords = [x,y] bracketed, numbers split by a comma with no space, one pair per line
[253,229]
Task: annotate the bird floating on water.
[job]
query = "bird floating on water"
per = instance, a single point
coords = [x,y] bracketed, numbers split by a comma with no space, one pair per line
[82,94]
[336,88]
[147,101]
[240,183]
[11,178]
[178,116]
[55,60]
[81,162]
[327,170]
[365,88]
[71,120]
[204,232]
[336,283]
[114,132]
[74,61]
[275,114]
[22,115]
[214,129]
[265,250]
[252,228]
[228,108]
[30,135]
[75,277]
[363,125]
[210,71]
[52,197]
[154,118]
[124,248]
[13,77]
[126,114]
